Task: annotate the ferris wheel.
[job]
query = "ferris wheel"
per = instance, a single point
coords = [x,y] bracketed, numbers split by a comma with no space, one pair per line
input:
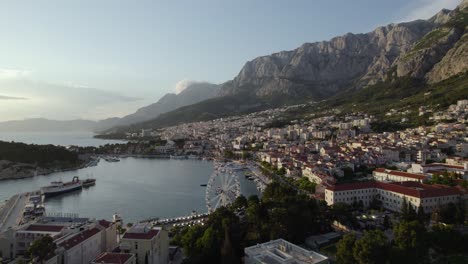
[222,189]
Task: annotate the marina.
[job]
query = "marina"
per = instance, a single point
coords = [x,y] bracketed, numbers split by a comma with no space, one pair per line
[136,188]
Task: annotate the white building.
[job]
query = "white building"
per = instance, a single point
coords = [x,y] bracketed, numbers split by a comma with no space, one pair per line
[149,245]
[281,251]
[392,194]
[385,175]
[27,234]
[81,248]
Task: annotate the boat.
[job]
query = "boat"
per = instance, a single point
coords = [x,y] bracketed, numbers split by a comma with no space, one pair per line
[88,182]
[203,185]
[193,157]
[59,187]
[177,157]
[111,159]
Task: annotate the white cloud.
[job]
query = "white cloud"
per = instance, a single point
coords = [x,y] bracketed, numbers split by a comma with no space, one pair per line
[13,73]
[61,101]
[183,84]
[424,9]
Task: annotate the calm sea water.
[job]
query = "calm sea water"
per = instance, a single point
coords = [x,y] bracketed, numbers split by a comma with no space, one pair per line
[135,188]
[56,138]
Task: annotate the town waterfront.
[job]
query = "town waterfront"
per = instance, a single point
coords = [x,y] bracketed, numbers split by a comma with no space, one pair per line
[135,188]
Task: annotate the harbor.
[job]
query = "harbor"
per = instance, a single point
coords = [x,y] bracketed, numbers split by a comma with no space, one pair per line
[134,187]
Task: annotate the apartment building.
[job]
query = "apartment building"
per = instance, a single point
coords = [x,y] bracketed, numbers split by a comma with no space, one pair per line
[149,245]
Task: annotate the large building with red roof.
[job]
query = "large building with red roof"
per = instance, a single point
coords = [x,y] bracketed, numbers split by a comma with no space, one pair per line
[392,194]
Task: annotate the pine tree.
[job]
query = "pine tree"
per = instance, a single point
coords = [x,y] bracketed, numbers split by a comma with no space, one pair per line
[404,209]
[421,215]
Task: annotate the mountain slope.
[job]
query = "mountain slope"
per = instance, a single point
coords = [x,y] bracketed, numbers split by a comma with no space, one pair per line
[323,68]
[193,93]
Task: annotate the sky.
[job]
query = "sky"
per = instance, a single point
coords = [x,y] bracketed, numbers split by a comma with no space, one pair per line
[88,59]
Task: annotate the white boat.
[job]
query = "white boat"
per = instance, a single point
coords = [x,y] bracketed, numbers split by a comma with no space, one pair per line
[59,187]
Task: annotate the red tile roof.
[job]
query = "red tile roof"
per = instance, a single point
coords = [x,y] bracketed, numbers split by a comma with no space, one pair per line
[112,258]
[45,228]
[443,165]
[105,223]
[148,235]
[79,238]
[414,189]
[402,174]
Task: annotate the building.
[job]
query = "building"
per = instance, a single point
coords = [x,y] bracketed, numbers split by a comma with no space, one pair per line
[149,245]
[114,258]
[385,175]
[439,168]
[109,235]
[81,248]
[281,251]
[392,194]
[27,234]
[78,240]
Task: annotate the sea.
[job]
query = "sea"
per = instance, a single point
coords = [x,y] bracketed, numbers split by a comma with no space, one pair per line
[135,188]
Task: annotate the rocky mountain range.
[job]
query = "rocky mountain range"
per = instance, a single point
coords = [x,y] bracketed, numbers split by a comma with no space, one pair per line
[433,49]
[422,52]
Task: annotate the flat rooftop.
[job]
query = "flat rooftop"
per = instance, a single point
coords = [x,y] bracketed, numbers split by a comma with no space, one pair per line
[281,251]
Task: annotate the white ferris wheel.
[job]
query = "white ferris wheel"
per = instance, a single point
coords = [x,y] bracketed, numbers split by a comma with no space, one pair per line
[222,189]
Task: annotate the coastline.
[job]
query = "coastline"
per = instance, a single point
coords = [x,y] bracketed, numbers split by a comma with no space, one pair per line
[17,171]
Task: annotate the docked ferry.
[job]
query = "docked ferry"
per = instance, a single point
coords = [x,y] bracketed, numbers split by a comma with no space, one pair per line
[59,187]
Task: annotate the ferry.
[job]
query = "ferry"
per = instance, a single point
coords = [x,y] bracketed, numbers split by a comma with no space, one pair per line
[59,187]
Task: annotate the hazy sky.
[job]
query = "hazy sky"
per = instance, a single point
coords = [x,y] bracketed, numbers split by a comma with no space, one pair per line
[65,59]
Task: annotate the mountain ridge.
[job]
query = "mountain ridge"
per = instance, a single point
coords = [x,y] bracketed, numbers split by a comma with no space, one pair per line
[321,70]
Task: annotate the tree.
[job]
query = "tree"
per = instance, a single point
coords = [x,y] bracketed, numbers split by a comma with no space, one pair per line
[410,237]
[306,185]
[446,240]
[386,222]
[404,209]
[448,213]
[344,249]
[371,248]
[421,215]
[412,215]
[240,202]
[42,248]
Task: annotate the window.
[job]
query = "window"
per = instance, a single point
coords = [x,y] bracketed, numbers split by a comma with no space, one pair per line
[136,245]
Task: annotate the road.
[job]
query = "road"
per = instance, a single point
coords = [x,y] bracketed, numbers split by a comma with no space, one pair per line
[10,213]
